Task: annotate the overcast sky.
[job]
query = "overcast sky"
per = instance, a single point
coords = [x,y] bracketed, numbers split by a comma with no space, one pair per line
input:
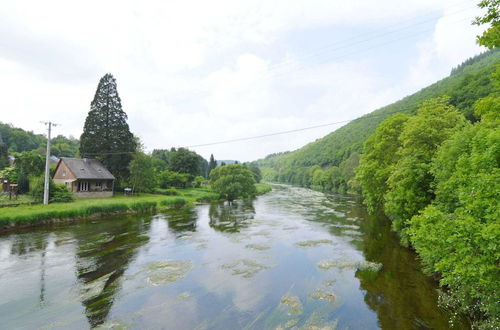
[194,72]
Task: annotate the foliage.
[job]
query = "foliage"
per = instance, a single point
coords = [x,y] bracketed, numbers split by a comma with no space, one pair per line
[233,181]
[185,161]
[142,176]
[9,173]
[257,175]
[197,182]
[176,202]
[4,154]
[212,163]
[181,160]
[458,235]
[57,193]
[491,37]
[168,179]
[29,163]
[106,135]
[378,160]
[409,184]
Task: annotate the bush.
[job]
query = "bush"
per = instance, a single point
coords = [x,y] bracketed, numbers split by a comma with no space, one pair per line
[58,193]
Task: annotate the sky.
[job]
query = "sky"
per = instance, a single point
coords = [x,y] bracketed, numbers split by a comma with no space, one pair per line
[197,72]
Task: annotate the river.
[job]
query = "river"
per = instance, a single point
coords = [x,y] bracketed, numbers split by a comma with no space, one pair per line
[293,258]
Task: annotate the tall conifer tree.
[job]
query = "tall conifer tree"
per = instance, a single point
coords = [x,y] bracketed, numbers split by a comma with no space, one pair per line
[212,163]
[106,134]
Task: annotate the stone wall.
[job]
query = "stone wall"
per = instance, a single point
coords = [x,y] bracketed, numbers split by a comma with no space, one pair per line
[93,194]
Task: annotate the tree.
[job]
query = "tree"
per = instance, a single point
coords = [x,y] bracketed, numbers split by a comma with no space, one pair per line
[491,37]
[233,181]
[211,164]
[27,164]
[106,135]
[457,236]
[4,154]
[169,179]
[185,161]
[378,160]
[257,175]
[410,182]
[142,175]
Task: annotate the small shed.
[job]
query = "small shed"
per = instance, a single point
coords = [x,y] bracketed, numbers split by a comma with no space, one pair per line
[84,177]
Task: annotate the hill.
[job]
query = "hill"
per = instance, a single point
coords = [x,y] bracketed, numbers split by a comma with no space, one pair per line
[341,148]
[19,140]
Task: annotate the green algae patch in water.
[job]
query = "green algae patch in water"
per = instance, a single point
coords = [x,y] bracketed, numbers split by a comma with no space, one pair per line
[322,294]
[292,304]
[183,296]
[168,271]
[245,267]
[314,242]
[259,247]
[342,264]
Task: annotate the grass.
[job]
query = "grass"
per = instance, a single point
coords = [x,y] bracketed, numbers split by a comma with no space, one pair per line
[262,188]
[38,214]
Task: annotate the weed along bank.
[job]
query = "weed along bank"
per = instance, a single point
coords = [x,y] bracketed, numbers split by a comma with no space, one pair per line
[84,177]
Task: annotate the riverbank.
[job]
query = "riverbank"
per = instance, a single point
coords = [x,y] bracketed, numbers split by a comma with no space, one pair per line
[39,214]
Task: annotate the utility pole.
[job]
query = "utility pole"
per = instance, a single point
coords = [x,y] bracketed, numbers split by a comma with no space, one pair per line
[47,165]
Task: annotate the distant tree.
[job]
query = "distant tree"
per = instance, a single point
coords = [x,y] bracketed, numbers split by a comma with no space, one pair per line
[4,154]
[491,37]
[106,134]
[168,179]
[233,181]
[212,163]
[62,146]
[222,163]
[257,175]
[185,161]
[142,176]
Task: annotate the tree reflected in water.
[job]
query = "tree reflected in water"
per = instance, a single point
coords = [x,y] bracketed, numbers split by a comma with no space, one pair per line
[231,217]
[182,220]
[104,252]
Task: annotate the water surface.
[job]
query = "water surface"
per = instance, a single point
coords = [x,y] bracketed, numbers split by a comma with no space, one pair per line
[293,258]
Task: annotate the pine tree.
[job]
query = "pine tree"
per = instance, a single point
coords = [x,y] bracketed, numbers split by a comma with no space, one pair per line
[212,163]
[106,134]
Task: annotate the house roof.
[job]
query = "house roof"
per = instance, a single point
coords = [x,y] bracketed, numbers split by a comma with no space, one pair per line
[86,168]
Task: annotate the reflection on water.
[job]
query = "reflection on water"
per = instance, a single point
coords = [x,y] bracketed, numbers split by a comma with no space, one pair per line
[293,258]
[231,217]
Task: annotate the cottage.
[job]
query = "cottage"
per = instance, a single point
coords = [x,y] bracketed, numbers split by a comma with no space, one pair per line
[84,177]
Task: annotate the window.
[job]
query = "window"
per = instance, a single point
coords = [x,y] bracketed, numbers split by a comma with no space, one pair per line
[83,186]
[64,173]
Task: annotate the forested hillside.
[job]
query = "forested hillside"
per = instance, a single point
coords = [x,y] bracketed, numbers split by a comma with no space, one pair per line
[18,140]
[339,151]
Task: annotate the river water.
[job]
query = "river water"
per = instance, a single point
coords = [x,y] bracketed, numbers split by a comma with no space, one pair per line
[293,258]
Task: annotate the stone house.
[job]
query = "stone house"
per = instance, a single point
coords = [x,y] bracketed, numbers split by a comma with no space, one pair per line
[84,177]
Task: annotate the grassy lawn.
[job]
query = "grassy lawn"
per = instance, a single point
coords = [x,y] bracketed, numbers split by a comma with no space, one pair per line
[29,215]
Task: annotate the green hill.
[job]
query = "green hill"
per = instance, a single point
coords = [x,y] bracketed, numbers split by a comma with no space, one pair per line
[341,148]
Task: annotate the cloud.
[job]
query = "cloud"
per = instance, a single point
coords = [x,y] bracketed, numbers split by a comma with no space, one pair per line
[193,72]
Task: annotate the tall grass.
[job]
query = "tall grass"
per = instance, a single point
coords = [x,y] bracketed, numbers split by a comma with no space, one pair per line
[39,214]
